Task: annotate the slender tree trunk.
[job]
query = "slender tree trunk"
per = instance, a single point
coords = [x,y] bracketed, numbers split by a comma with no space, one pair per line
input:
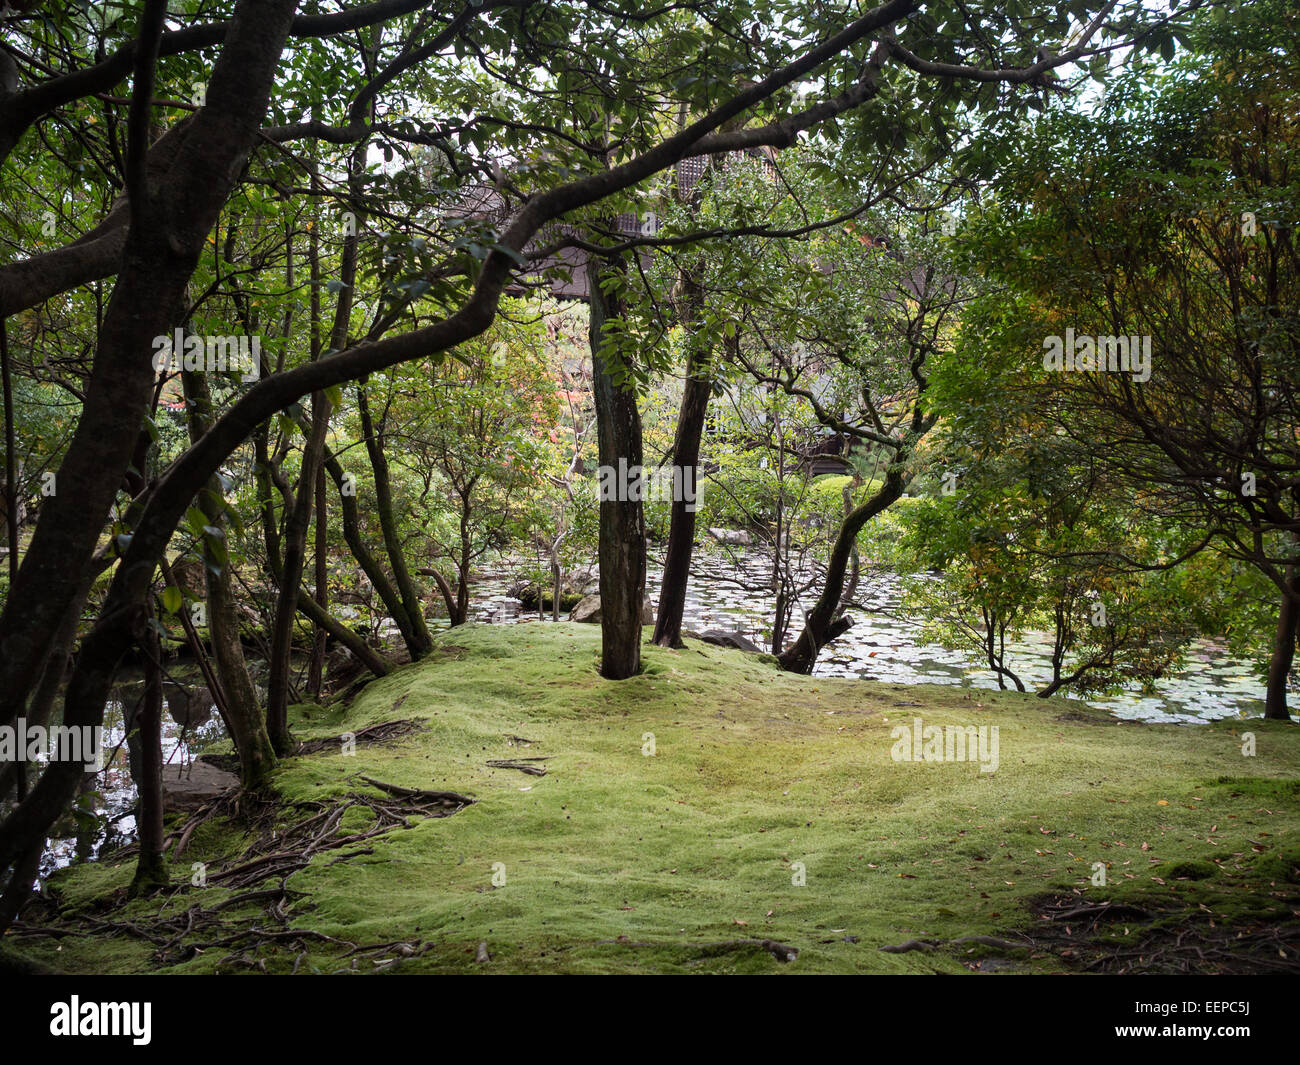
[316,676]
[286,607]
[420,642]
[622,522]
[369,565]
[1284,645]
[681,531]
[242,709]
[444,587]
[11,456]
[299,522]
[316,672]
[461,614]
[686,443]
[151,869]
[855,563]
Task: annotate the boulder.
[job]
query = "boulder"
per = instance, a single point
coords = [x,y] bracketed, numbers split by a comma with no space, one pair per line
[189,787]
[588,611]
[190,707]
[528,594]
[730,639]
[733,537]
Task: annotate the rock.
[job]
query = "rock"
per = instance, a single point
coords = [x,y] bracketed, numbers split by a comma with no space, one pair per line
[585,583]
[189,787]
[527,594]
[191,708]
[588,611]
[734,537]
[729,639]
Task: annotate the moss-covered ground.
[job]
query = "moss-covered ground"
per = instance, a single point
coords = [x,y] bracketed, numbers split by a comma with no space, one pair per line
[714,799]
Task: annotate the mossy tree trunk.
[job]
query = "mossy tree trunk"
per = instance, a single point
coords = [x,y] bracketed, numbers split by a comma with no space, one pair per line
[419,643]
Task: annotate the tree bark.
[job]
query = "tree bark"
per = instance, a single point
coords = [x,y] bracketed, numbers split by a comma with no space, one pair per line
[316,675]
[243,710]
[681,531]
[150,869]
[420,642]
[286,607]
[622,522]
[1284,645]
[155,267]
[369,566]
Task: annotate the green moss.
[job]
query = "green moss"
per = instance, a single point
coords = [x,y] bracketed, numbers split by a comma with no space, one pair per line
[1191,870]
[769,808]
[1281,866]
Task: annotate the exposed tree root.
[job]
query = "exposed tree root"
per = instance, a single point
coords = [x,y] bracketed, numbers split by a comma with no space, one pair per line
[258,916]
[384,732]
[522,764]
[937,944]
[1123,938]
[780,951]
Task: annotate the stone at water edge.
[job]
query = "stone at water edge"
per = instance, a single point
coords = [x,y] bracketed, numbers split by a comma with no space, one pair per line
[189,787]
[727,639]
[588,611]
[736,537]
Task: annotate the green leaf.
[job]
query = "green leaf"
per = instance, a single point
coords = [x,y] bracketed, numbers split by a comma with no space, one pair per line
[172,599]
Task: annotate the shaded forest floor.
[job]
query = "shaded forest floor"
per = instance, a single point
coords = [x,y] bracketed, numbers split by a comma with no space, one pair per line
[689,859]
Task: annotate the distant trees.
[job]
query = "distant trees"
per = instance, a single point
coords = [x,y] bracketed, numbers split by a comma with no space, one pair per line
[1173,224]
[473,439]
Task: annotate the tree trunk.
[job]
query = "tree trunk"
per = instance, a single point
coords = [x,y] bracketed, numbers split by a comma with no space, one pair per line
[11,455]
[622,522]
[316,675]
[369,566]
[154,267]
[150,869]
[420,642]
[1284,644]
[13,774]
[821,626]
[681,532]
[243,711]
[298,524]
[286,607]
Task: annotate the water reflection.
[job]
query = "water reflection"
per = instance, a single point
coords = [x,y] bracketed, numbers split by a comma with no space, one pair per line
[103,816]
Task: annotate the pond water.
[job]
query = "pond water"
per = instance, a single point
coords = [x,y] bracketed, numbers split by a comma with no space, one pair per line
[103,817]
